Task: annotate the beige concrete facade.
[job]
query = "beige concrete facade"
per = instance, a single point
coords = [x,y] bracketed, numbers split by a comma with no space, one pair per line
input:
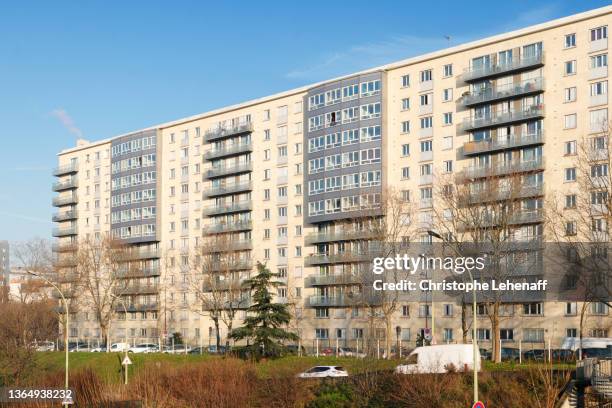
[242,171]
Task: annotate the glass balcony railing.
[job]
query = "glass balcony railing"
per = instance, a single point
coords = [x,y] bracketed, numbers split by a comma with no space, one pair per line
[66,169]
[339,235]
[497,194]
[227,227]
[325,280]
[65,185]
[487,95]
[503,118]
[491,70]
[64,200]
[501,169]
[228,151]
[502,143]
[246,205]
[65,216]
[215,191]
[225,170]
[65,231]
[222,132]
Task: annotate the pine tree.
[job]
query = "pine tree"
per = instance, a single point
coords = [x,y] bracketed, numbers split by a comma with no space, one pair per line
[265,319]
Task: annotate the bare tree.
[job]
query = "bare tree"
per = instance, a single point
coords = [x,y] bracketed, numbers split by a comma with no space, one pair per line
[579,223]
[481,212]
[101,267]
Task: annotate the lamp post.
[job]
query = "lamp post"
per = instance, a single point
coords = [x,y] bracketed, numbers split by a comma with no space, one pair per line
[125,381]
[474,319]
[66,326]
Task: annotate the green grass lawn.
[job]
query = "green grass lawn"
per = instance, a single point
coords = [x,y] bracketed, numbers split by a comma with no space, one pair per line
[108,367]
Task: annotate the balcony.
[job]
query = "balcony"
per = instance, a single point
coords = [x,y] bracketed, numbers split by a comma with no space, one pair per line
[225,170]
[493,70]
[598,72]
[66,169]
[65,262]
[65,185]
[516,218]
[237,304]
[500,169]
[65,216]
[228,189]
[67,293]
[488,95]
[223,132]
[230,245]
[65,200]
[494,194]
[504,118]
[498,143]
[328,301]
[144,272]
[326,280]
[64,247]
[222,285]
[132,255]
[599,45]
[235,265]
[68,277]
[227,227]
[596,100]
[145,289]
[239,206]
[64,232]
[137,307]
[339,235]
[227,151]
[343,257]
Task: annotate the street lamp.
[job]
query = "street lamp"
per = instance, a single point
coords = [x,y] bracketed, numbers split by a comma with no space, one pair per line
[474,318]
[66,326]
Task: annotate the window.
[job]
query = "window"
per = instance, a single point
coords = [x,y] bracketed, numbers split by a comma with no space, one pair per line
[405,150]
[322,333]
[426,99]
[570,228]
[483,334]
[570,121]
[448,118]
[571,309]
[405,81]
[599,88]
[405,173]
[448,310]
[570,40]
[570,201]
[447,95]
[371,110]
[570,174]
[426,146]
[426,75]
[570,94]
[448,70]
[533,309]
[533,335]
[406,196]
[448,166]
[598,120]
[599,33]
[570,148]
[599,61]
[447,143]
[424,311]
[370,88]
[405,311]
[266,134]
[405,103]
[570,67]
[571,332]
[406,126]
[599,170]
[506,334]
[426,122]
[266,114]
[448,335]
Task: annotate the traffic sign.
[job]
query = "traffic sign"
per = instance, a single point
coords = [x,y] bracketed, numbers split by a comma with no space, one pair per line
[427,333]
[126,361]
[478,404]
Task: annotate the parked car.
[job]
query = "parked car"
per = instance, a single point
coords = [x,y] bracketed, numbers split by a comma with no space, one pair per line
[510,354]
[198,350]
[80,346]
[486,354]
[439,359]
[601,353]
[119,347]
[177,349]
[563,355]
[44,346]
[534,355]
[212,349]
[350,352]
[323,372]
[99,349]
[144,348]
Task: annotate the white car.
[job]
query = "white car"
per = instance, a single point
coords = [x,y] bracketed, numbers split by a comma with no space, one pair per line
[350,352]
[324,371]
[177,349]
[144,348]
[44,346]
[118,347]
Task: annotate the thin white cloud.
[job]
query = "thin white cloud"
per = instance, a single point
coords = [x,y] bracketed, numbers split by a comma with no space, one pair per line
[67,121]
[25,217]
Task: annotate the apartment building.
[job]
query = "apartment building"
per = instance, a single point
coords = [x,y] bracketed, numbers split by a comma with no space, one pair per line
[284,179]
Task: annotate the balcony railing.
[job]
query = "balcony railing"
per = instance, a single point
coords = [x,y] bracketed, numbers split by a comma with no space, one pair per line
[65,185]
[144,289]
[64,247]
[325,280]
[236,265]
[246,205]
[144,272]
[230,245]
[504,118]
[61,201]
[228,227]
[66,169]
[228,151]
[222,132]
[228,189]
[500,169]
[342,257]
[225,170]
[339,235]
[487,95]
[65,216]
[222,285]
[491,195]
[137,307]
[491,70]
[65,262]
[140,254]
[517,218]
[502,143]
[64,232]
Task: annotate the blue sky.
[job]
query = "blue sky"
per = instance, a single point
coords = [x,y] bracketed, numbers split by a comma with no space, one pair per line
[97,69]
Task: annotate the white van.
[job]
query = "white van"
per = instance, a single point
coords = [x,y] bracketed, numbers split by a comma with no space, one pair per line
[573,343]
[439,359]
